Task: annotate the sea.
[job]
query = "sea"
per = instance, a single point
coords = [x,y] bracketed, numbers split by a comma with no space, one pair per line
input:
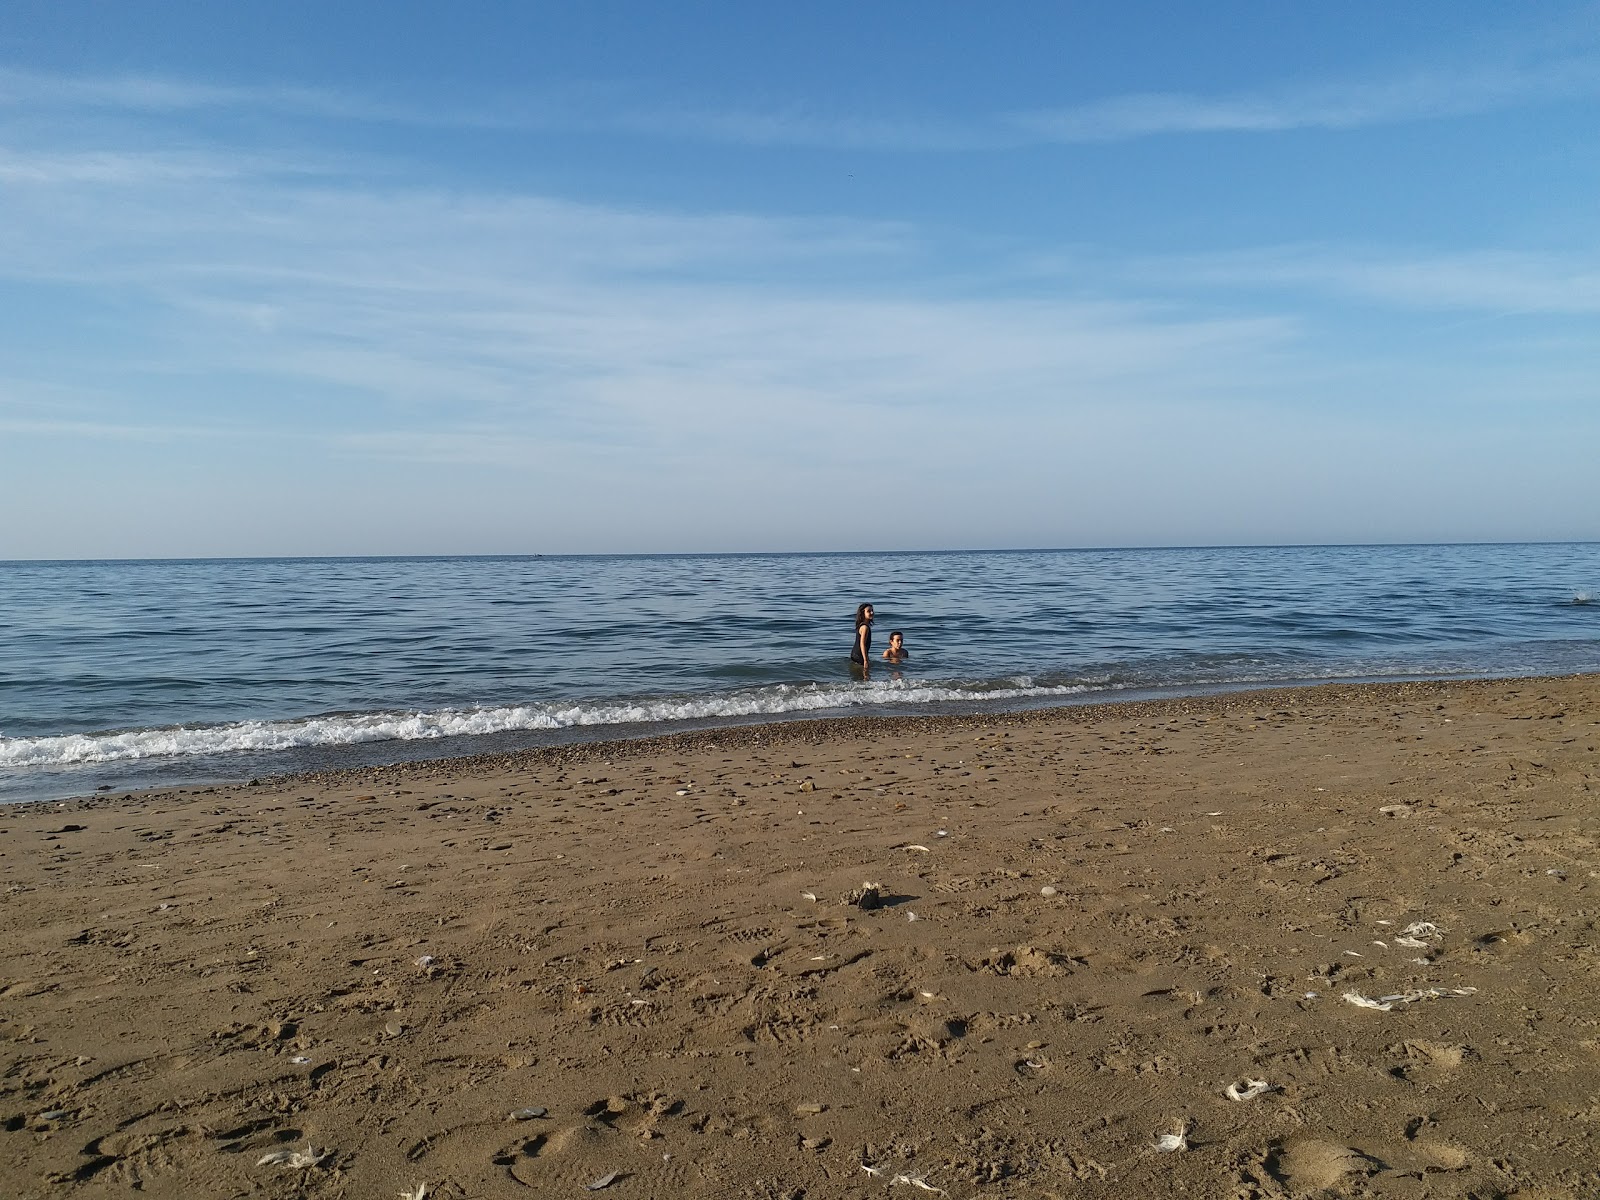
[119,675]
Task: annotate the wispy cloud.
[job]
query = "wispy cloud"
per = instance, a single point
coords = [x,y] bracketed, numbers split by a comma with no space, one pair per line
[420,317]
[1491,281]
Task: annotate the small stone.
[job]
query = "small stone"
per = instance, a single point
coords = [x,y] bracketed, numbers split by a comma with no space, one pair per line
[527,1114]
[810,1110]
[866,897]
[1047,890]
[394,1029]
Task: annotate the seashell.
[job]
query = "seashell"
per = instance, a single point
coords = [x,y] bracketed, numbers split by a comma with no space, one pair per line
[1251,1089]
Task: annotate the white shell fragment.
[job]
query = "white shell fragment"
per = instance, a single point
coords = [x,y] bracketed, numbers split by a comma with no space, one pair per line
[1387,1003]
[1169,1142]
[1396,810]
[294,1160]
[1251,1089]
[871,1170]
[1047,890]
[916,1181]
[526,1114]
[914,846]
[601,1184]
[420,1192]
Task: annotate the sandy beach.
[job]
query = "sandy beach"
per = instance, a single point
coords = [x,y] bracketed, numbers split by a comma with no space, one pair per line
[1004,956]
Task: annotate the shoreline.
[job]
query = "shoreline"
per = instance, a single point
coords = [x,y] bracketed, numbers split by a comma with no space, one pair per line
[807,730]
[654,960]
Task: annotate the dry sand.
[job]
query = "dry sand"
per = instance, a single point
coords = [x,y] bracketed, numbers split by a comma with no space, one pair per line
[1093,922]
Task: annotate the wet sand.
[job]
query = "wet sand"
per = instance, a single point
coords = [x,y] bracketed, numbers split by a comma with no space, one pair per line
[1091,922]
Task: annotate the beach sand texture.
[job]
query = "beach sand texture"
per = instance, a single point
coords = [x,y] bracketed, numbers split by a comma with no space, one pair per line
[1092,922]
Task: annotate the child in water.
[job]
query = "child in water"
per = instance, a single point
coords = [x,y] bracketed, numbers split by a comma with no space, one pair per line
[897,648]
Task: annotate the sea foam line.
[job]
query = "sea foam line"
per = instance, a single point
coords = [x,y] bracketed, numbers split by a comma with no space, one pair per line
[339,729]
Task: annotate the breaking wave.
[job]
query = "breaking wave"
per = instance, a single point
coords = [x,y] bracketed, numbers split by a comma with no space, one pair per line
[341,729]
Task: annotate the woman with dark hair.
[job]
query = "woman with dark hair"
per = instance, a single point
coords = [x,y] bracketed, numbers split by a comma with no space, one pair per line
[861,648]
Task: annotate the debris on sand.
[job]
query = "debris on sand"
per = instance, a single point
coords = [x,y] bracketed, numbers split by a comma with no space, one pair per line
[1169,1143]
[294,1160]
[916,1181]
[1251,1089]
[866,897]
[1387,1003]
[601,1184]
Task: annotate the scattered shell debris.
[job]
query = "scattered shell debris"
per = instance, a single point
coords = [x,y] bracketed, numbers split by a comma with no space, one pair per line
[916,846]
[526,1114]
[1251,1089]
[426,961]
[601,1184]
[1387,1003]
[300,1060]
[811,896]
[916,1181]
[294,1160]
[420,1192]
[1413,934]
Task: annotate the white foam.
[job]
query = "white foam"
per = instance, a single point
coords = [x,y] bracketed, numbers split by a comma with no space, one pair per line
[341,729]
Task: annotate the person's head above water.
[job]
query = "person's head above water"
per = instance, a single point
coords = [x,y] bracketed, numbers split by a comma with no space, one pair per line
[863,614]
[895,639]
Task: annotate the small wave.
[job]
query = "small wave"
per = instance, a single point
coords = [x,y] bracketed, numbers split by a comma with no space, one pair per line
[343,729]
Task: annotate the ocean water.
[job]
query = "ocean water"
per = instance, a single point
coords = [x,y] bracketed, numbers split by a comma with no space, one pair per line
[118,675]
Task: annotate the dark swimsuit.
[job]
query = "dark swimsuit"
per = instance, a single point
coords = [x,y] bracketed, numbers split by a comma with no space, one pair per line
[855,648]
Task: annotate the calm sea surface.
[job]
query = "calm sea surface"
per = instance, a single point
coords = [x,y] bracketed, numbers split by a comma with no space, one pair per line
[131,674]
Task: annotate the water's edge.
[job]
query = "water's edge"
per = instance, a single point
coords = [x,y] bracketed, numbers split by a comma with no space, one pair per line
[807,728]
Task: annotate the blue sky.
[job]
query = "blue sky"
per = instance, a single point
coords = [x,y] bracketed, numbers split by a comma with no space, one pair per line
[389,278]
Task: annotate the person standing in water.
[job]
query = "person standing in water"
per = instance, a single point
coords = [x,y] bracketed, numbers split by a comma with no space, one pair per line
[861,648]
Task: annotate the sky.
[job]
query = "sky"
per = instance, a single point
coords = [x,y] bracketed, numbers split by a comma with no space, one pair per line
[299,278]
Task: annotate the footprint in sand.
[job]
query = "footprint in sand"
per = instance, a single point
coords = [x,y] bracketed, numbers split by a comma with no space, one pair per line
[608,1139]
[1311,1166]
